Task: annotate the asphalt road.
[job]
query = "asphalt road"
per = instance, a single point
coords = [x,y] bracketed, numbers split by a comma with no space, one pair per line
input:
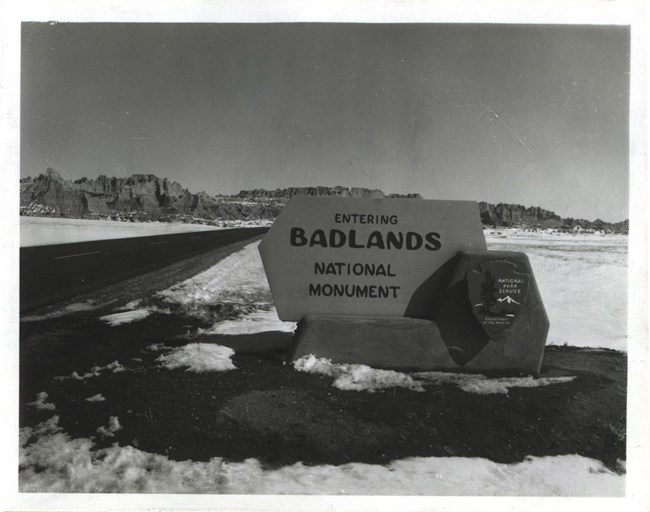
[52,273]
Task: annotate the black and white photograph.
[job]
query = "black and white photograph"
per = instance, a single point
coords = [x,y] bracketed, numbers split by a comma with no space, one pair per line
[328,258]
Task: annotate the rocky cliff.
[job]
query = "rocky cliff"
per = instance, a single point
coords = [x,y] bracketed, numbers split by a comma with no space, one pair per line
[505,215]
[514,214]
[287,193]
[139,197]
[53,193]
[147,197]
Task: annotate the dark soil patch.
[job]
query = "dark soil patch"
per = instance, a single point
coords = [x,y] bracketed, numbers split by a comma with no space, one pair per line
[267,410]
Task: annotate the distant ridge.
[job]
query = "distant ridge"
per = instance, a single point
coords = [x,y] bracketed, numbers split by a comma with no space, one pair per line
[144,197]
[287,193]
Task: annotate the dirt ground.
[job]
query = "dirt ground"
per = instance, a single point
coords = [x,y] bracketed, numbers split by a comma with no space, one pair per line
[267,410]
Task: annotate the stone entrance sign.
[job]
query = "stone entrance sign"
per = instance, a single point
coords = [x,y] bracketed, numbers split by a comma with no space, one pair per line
[402,284]
[365,257]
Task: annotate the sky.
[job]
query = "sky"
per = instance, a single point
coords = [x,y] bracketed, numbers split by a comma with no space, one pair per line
[528,114]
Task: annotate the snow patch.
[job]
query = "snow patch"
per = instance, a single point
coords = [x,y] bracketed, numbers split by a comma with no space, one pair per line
[356,377]
[238,278]
[582,280]
[46,427]
[113,426]
[50,461]
[446,476]
[96,398]
[359,377]
[199,357]
[70,308]
[134,304]
[480,384]
[95,371]
[251,323]
[125,317]
[52,231]
[157,347]
[41,404]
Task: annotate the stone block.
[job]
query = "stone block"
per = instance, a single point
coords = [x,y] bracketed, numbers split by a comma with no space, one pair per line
[380,342]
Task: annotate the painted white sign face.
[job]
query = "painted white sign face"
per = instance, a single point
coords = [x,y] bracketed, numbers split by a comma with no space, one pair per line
[365,257]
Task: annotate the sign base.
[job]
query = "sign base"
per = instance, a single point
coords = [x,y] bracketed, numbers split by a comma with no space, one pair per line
[395,343]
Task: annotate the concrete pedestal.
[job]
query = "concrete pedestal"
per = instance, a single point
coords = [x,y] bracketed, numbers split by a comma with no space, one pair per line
[395,343]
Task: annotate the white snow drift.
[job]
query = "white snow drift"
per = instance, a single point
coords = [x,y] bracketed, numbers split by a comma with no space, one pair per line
[41,404]
[238,278]
[199,357]
[251,323]
[50,461]
[125,317]
[95,371]
[359,377]
[96,398]
[112,427]
[582,279]
[71,308]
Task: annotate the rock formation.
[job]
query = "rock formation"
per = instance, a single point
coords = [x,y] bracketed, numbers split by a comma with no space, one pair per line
[146,197]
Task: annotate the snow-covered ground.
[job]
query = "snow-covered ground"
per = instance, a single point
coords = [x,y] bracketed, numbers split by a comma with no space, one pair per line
[583,282]
[57,463]
[50,231]
[239,278]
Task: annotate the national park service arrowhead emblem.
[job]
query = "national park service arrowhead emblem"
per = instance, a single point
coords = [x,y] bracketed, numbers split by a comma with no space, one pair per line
[496,293]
